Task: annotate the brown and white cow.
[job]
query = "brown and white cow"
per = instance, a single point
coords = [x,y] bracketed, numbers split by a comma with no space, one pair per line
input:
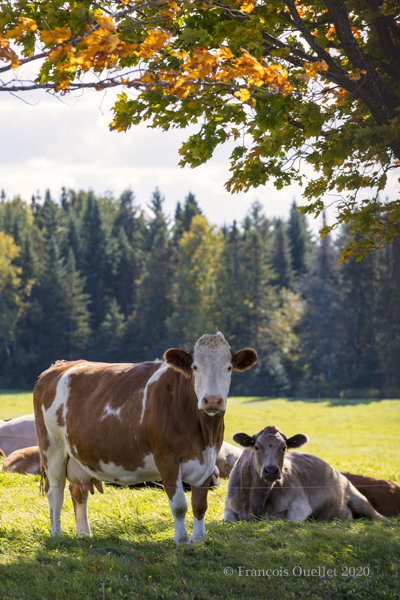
[25,460]
[129,423]
[269,481]
[17,433]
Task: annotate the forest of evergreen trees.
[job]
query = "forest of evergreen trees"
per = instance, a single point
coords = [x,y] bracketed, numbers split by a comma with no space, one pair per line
[100,278]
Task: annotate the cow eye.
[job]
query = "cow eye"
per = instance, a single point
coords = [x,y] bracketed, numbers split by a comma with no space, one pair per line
[283,449]
[229,368]
[256,447]
[194,368]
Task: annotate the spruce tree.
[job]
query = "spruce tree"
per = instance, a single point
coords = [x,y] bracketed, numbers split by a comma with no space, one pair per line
[190,209]
[109,340]
[146,333]
[127,269]
[282,260]
[78,316]
[299,240]
[194,292]
[321,329]
[95,264]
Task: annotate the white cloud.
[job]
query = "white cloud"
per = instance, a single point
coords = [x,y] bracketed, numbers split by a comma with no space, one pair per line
[54,143]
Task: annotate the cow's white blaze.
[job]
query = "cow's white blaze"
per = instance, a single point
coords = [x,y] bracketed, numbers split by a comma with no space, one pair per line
[212,369]
[196,472]
[160,371]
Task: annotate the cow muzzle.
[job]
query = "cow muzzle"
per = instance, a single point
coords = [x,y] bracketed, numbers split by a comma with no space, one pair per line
[271,473]
[212,404]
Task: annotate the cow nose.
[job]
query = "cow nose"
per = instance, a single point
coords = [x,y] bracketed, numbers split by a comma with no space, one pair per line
[212,402]
[271,472]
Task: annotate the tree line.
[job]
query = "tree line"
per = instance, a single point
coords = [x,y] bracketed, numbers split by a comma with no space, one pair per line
[97,277]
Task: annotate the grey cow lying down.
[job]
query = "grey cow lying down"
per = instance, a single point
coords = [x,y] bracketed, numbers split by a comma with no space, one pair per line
[268,481]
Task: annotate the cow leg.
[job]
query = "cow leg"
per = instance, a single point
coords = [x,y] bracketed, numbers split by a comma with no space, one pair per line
[299,510]
[199,506]
[56,458]
[230,515]
[79,501]
[172,482]
[360,505]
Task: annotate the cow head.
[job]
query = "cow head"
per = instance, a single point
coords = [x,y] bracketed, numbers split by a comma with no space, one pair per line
[211,364]
[269,446]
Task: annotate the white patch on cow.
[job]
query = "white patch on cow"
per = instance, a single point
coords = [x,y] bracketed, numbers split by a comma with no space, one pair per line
[112,412]
[178,507]
[56,431]
[212,368]
[115,473]
[155,377]
[199,530]
[195,472]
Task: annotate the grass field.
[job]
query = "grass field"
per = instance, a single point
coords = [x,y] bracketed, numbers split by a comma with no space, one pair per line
[131,554]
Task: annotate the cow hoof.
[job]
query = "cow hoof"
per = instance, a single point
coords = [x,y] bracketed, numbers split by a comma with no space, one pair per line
[199,538]
[185,540]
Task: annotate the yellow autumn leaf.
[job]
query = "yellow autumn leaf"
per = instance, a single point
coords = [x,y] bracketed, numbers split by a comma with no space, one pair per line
[7,54]
[14,33]
[27,24]
[23,26]
[106,23]
[63,84]
[243,95]
[247,6]
[57,35]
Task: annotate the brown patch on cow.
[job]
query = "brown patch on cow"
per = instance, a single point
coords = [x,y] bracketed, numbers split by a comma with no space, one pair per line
[383,494]
[244,359]
[77,496]
[60,415]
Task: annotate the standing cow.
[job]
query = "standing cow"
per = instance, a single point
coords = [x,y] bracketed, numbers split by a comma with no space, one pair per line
[129,423]
[269,481]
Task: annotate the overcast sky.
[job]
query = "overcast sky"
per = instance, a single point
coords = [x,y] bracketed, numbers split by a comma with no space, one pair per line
[50,143]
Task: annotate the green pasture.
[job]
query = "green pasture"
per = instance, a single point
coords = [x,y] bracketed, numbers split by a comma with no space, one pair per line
[131,554]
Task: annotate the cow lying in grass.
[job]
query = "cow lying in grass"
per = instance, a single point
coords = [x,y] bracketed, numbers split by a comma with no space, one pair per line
[127,423]
[384,495]
[26,460]
[17,433]
[269,481]
[227,458]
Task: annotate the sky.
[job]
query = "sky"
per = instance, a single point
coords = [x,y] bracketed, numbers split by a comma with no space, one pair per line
[48,143]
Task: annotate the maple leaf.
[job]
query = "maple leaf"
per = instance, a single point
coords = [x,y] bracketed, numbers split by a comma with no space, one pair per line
[57,35]
[106,23]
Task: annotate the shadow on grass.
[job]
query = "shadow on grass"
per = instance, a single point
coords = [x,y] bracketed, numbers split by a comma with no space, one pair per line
[329,401]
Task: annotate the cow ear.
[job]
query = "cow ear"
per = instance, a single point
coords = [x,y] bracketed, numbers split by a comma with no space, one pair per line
[244,359]
[179,360]
[297,440]
[244,440]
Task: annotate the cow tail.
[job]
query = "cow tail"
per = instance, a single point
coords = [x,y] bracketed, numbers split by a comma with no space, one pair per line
[43,479]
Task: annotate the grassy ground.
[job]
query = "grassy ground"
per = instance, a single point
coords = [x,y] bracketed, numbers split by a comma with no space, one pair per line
[15,404]
[131,554]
